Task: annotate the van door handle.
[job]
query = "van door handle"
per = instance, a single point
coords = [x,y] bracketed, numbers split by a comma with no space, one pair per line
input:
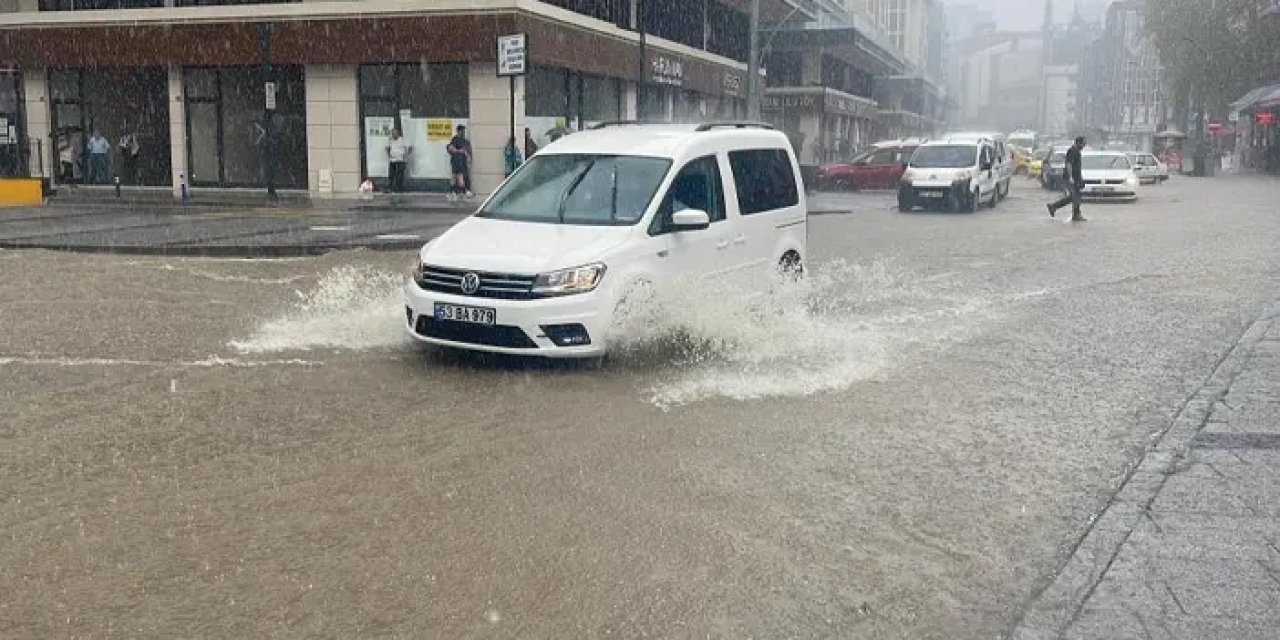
[740,240]
[723,244]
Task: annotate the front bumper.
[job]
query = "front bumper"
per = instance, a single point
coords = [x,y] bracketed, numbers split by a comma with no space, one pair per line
[518,324]
[921,193]
[1109,192]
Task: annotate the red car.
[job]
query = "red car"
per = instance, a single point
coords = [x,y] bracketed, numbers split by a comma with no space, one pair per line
[879,168]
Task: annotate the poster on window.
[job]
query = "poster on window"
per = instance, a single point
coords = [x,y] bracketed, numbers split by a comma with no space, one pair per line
[430,155]
[546,129]
[377,134]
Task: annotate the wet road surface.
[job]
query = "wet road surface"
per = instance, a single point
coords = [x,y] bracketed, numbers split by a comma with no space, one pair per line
[906,446]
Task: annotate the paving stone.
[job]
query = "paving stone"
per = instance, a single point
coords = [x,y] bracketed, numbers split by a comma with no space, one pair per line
[1141,566]
[1260,606]
[1219,629]
[1094,624]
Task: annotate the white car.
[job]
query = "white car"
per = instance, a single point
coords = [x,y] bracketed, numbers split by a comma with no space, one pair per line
[1149,168]
[542,267]
[1003,164]
[957,175]
[1108,175]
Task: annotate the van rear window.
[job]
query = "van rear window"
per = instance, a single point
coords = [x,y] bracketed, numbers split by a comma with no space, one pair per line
[765,180]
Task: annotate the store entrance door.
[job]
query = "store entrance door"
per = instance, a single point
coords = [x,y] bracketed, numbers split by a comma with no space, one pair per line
[13,145]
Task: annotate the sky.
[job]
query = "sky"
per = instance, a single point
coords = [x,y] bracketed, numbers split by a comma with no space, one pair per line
[1022,15]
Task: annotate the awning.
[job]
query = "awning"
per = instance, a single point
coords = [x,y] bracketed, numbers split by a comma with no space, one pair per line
[1260,98]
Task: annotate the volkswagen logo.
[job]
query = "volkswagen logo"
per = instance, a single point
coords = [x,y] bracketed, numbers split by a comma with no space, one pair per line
[933,176]
[470,283]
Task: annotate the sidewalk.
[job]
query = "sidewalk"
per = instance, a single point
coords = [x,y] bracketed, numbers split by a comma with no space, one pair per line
[1189,548]
[91,219]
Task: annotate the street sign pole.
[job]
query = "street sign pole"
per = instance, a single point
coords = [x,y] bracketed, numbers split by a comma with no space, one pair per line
[513,60]
[268,120]
[753,64]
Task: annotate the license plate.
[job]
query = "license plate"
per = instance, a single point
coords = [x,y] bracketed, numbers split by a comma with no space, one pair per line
[1103,189]
[461,313]
[931,194]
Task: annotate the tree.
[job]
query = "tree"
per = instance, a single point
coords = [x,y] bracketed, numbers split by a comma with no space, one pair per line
[1214,50]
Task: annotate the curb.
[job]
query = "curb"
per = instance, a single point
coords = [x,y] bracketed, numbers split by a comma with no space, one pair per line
[265,251]
[1052,610]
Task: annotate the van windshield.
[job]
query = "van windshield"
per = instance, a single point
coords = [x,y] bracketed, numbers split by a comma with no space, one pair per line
[1106,162]
[952,156]
[581,189]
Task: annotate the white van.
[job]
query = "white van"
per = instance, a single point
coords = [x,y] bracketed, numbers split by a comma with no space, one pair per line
[1003,166]
[955,174]
[543,265]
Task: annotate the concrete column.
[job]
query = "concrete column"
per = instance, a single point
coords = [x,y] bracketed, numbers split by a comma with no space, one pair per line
[333,130]
[177,131]
[629,96]
[811,68]
[490,117]
[28,5]
[35,108]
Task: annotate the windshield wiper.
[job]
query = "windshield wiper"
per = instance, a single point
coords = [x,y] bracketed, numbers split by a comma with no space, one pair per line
[577,180]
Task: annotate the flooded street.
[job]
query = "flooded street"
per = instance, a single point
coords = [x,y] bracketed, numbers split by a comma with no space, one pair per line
[907,444]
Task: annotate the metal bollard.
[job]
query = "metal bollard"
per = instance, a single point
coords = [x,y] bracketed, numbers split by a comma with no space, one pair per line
[182,185]
[117,187]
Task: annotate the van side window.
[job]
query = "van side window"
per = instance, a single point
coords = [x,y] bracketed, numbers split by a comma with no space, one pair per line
[697,186]
[765,180]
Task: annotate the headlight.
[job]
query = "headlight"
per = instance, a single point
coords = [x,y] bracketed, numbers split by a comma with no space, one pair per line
[908,175]
[418,267]
[568,281]
[1132,181]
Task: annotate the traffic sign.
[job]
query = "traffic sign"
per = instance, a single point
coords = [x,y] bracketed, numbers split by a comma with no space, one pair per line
[513,54]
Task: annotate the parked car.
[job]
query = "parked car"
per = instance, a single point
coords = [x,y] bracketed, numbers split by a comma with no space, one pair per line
[1035,167]
[878,168]
[595,220]
[1149,168]
[1108,175]
[1051,169]
[957,175]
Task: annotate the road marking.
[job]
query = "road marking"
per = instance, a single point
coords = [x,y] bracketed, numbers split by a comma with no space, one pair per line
[211,361]
[399,236]
[344,227]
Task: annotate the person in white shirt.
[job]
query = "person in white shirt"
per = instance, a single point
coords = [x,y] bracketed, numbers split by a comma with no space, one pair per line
[68,154]
[99,158]
[398,153]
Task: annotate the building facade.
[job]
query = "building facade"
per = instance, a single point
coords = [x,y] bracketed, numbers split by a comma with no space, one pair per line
[229,94]
[1126,97]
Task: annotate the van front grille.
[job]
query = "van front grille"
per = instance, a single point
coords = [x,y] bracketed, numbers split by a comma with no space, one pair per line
[503,286]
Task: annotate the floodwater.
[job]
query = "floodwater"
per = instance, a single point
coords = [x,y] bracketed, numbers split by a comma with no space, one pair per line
[904,445]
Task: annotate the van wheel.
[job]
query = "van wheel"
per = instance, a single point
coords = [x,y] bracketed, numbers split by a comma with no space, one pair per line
[1003,192]
[791,265]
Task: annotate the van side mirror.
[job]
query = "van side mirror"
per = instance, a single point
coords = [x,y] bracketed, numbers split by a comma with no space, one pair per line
[690,220]
[985,166]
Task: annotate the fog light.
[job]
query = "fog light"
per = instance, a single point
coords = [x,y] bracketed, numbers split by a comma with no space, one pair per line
[408,314]
[567,335]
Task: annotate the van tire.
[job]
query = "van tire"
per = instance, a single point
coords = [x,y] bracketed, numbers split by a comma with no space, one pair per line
[791,265]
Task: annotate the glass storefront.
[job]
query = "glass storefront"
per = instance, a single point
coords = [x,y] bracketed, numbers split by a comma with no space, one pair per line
[226,111]
[559,101]
[426,102]
[115,102]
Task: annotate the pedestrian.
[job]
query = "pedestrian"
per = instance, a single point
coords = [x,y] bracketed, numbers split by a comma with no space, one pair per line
[530,147]
[460,165]
[397,155]
[511,155]
[67,156]
[99,158]
[1073,179]
[129,150]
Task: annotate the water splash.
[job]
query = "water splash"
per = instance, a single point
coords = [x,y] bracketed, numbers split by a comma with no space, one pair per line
[350,308]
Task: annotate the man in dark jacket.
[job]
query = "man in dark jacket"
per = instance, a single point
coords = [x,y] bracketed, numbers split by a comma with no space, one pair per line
[1073,177]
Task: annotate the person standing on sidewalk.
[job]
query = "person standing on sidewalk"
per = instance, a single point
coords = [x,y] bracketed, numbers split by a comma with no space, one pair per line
[67,156]
[1073,178]
[460,164]
[398,155]
[129,150]
[99,158]
[511,156]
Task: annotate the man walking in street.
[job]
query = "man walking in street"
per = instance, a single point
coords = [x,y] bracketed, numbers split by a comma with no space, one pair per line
[99,158]
[460,164]
[1073,178]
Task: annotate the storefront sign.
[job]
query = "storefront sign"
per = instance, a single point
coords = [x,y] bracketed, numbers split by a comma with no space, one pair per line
[1265,118]
[732,83]
[513,54]
[664,70]
[804,101]
[439,129]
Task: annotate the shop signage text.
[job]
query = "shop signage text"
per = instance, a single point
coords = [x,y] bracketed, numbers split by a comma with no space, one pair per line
[513,54]
[439,129]
[666,70]
[732,83]
[1265,118]
[807,101]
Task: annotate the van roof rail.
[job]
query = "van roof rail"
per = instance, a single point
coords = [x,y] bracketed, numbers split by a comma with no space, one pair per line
[734,124]
[613,123]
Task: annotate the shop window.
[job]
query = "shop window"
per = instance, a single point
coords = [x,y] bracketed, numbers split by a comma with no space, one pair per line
[728,31]
[91,5]
[560,101]
[226,127]
[426,102]
[618,13]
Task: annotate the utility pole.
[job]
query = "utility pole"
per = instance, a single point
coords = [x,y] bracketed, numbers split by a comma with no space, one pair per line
[269,112]
[753,64]
[638,6]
